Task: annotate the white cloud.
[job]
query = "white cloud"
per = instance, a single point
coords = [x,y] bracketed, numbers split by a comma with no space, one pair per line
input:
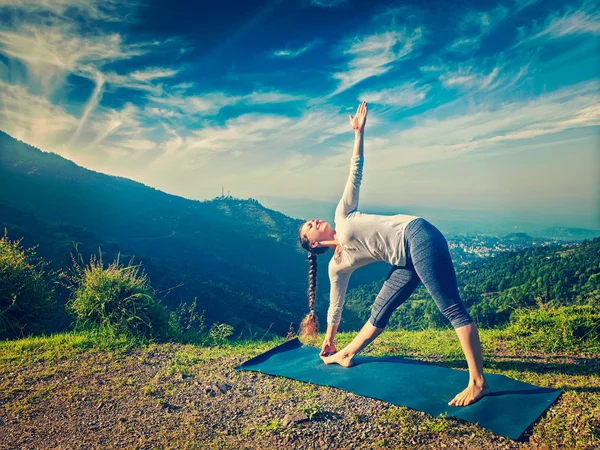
[241,131]
[51,51]
[33,119]
[584,20]
[435,138]
[213,102]
[327,3]
[114,124]
[474,26]
[286,53]
[137,144]
[163,112]
[107,10]
[467,77]
[171,146]
[405,95]
[152,73]
[57,45]
[264,144]
[572,22]
[258,98]
[498,72]
[374,54]
[465,44]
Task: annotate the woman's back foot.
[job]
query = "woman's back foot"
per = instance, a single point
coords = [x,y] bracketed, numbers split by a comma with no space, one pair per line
[473,393]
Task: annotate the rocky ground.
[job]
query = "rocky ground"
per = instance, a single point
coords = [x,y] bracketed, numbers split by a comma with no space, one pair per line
[177,396]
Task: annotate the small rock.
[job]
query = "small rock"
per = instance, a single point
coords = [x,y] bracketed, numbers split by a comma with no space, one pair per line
[223,387]
[210,391]
[294,418]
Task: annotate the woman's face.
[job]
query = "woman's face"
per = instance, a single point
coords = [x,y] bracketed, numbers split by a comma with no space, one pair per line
[317,230]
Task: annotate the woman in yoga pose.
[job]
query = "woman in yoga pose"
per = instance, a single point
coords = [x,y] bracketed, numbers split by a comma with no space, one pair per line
[418,252]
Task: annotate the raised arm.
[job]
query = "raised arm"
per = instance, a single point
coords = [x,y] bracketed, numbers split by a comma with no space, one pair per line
[349,201]
[358,123]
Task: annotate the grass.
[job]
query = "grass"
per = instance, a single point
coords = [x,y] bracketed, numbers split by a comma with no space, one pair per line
[67,367]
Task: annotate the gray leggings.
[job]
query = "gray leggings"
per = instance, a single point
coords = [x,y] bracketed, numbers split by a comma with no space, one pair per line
[429,261]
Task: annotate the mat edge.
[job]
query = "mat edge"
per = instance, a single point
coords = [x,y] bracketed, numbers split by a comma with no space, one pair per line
[286,346]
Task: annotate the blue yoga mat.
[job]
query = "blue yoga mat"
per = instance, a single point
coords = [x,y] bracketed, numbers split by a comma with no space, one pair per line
[511,408]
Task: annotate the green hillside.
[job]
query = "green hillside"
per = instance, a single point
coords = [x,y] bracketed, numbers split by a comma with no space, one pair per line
[240,260]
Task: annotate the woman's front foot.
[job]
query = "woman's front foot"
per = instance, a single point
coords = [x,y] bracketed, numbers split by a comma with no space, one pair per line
[343,358]
[473,393]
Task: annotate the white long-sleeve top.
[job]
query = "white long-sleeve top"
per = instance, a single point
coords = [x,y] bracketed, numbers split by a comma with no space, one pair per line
[364,238]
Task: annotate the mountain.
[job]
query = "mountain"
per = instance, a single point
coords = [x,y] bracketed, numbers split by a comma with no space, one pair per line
[241,260]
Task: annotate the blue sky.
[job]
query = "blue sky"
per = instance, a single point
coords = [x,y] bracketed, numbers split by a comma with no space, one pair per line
[472,105]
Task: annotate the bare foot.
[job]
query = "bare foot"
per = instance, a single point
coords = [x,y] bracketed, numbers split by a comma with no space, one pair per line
[342,358]
[471,394]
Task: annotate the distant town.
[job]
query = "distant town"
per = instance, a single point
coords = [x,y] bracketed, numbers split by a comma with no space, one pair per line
[466,248]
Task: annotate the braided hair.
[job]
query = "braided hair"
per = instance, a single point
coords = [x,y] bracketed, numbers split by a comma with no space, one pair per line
[310,324]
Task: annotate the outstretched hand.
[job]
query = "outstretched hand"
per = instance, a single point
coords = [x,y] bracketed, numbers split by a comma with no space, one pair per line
[359,120]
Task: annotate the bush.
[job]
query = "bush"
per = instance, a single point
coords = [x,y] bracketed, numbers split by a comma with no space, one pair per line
[563,328]
[118,298]
[26,297]
[187,324]
[219,333]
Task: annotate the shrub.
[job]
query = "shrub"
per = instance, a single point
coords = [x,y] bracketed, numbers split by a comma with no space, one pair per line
[26,296]
[187,324]
[118,298]
[219,333]
[564,328]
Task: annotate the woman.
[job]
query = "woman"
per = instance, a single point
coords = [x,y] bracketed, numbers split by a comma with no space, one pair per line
[417,251]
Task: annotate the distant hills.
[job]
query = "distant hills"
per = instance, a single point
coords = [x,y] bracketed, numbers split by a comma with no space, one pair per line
[239,258]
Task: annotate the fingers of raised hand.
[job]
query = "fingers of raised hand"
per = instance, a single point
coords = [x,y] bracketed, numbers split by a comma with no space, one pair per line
[362,109]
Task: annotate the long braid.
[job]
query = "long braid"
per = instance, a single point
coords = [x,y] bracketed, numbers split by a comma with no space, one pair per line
[312,279]
[310,325]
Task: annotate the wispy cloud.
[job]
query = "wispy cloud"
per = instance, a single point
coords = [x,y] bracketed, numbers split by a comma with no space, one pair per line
[213,102]
[406,95]
[52,45]
[32,118]
[467,77]
[163,112]
[327,3]
[474,25]
[374,54]
[500,71]
[115,125]
[107,10]
[237,133]
[287,53]
[434,138]
[51,51]
[583,20]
